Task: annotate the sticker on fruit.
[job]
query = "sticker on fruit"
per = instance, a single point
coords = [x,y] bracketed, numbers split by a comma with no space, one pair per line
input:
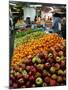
[37,44]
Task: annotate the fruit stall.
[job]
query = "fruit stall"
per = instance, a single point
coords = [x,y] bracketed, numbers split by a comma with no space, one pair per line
[39,53]
[39,59]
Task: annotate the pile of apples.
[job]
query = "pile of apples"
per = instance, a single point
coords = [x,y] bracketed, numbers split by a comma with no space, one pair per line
[47,68]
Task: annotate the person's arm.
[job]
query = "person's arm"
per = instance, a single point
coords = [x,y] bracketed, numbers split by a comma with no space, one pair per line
[53,21]
[59,26]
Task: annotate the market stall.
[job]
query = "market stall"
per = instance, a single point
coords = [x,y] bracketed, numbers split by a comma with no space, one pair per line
[38,56]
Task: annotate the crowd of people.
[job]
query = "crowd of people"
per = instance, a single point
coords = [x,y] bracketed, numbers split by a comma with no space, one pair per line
[57,22]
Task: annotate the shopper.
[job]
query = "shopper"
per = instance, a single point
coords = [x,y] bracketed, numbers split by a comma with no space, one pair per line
[63,23]
[28,22]
[56,22]
[35,18]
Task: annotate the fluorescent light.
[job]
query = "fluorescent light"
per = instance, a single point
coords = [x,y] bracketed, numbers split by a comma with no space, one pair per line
[35,5]
[12,4]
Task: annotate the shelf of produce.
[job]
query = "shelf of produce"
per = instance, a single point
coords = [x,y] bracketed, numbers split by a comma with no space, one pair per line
[39,62]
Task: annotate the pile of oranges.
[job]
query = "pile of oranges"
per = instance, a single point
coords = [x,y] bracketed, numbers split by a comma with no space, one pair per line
[35,46]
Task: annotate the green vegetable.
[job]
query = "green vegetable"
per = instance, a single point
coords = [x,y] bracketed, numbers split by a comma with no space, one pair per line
[23,33]
[27,38]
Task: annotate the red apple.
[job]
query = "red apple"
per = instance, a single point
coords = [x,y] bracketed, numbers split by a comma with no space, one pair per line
[31,78]
[53,82]
[47,79]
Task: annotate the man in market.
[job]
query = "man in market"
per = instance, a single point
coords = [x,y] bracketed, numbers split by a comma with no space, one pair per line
[56,22]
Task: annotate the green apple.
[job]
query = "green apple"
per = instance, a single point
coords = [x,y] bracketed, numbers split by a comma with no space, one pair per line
[39,81]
